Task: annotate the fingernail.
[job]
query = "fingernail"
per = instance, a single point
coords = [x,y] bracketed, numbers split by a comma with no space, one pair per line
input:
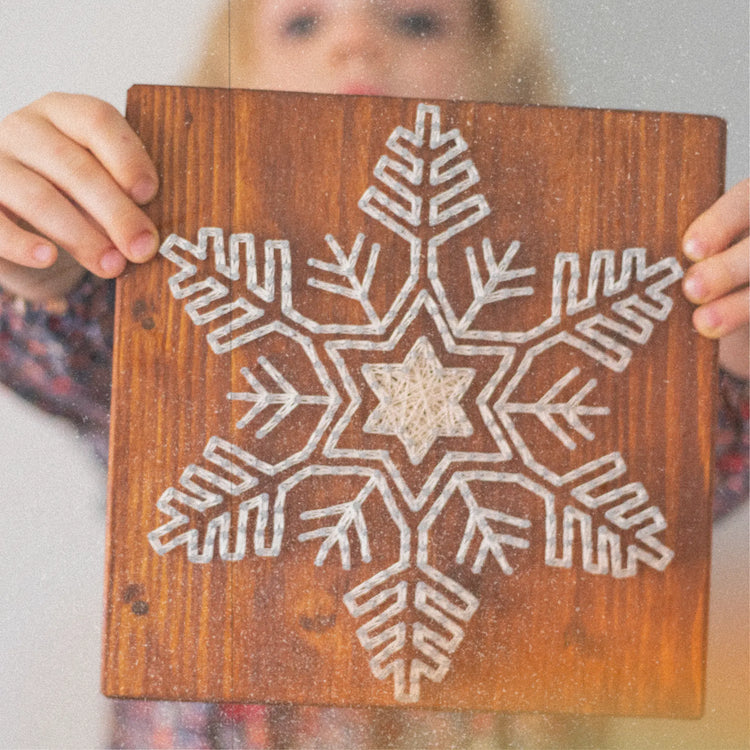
[693,288]
[693,249]
[144,190]
[112,263]
[43,254]
[144,246]
[707,322]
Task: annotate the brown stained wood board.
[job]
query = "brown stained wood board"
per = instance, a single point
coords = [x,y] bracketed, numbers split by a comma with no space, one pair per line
[409,410]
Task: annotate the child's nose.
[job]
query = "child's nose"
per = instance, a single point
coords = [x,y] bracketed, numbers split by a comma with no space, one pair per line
[355,38]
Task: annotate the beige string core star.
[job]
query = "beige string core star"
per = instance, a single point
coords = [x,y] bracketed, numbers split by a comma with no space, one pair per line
[419,400]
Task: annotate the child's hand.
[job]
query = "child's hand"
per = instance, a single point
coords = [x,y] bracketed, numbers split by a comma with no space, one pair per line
[718,282]
[71,175]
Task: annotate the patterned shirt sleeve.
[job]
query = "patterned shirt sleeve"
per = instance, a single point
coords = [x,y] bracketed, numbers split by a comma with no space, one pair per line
[58,355]
[732,450]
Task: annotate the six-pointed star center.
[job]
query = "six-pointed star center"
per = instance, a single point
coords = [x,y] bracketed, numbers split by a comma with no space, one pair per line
[419,399]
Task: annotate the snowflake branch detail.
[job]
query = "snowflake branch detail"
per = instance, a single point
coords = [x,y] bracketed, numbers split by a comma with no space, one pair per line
[288,398]
[494,542]
[498,275]
[350,515]
[546,409]
[346,267]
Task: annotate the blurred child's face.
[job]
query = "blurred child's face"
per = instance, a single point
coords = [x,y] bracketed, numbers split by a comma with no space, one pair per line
[387,47]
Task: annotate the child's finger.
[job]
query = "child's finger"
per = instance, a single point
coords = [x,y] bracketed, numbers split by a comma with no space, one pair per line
[724,315]
[36,201]
[715,229]
[25,248]
[75,171]
[101,129]
[718,275]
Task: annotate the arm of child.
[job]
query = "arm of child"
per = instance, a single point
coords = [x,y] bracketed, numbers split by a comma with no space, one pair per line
[718,282]
[72,177]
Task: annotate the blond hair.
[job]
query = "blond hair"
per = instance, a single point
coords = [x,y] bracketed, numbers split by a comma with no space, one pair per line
[511,44]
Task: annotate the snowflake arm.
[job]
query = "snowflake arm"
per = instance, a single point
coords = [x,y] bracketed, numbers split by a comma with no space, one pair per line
[602,548]
[444,606]
[205,489]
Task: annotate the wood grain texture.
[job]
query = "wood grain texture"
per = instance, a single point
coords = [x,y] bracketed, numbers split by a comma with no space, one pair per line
[269,628]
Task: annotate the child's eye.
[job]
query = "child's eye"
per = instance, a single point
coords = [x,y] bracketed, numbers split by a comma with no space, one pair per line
[301,26]
[419,24]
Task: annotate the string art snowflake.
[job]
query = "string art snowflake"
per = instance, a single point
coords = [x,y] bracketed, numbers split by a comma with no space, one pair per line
[415,405]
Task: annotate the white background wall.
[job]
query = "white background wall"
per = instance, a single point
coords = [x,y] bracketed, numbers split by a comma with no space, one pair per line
[682,55]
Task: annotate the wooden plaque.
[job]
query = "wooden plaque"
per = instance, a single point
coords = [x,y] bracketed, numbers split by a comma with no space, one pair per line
[409,410]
